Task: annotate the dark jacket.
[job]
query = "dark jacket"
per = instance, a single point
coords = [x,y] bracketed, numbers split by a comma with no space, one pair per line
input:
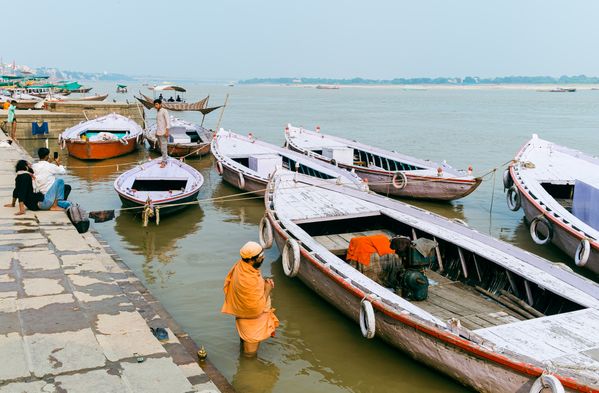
[24,191]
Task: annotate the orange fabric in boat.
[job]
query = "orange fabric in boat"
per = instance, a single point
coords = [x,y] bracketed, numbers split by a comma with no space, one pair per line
[362,247]
[246,300]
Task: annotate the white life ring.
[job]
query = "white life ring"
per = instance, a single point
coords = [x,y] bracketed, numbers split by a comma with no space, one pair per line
[547,381]
[62,142]
[514,199]
[241,180]
[367,320]
[507,179]
[399,180]
[583,252]
[291,263]
[219,167]
[265,233]
[534,224]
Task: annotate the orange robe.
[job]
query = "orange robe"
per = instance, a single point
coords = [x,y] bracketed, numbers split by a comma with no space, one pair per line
[362,247]
[246,300]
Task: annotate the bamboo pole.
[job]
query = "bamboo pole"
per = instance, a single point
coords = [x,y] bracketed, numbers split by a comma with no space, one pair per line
[221,113]
[509,305]
[522,304]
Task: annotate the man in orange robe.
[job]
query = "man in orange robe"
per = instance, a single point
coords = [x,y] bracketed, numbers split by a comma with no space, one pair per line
[247,297]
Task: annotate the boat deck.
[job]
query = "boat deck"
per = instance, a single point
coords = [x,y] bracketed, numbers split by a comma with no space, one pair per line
[446,299]
[564,341]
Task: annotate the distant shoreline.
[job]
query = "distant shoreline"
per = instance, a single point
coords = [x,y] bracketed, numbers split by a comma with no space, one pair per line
[420,87]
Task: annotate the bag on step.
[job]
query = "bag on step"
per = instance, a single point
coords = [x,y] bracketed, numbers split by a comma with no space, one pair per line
[78,217]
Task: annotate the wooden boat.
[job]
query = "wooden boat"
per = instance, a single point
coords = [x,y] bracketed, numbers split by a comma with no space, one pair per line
[535,324]
[148,102]
[557,190]
[105,137]
[387,172]
[61,98]
[21,103]
[149,184]
[247,163]
[185,139]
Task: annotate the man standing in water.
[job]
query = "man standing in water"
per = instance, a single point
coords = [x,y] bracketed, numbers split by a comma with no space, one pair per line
[247,297]
[163,124]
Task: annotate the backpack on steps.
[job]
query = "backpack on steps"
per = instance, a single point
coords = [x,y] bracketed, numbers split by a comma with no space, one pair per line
[78,217]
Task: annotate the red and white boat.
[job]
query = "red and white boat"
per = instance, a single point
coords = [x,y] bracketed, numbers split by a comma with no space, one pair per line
[104,137]
[387,172]
[496,318]
[558,190]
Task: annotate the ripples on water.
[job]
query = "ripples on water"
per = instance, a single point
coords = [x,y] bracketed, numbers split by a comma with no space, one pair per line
[184,260]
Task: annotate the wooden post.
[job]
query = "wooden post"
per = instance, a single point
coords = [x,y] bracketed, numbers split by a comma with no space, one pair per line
[439,259]
[463,262]
[221,113]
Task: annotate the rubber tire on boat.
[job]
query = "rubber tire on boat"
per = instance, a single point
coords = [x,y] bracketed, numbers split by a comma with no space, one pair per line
[547,381]
[291,265]
[514,199]
[124,141]
[241,180]
[265,233]
[583,252]
[219,167]
[367,320]
[507,179]
[334,162]
[533,230]
[402,184]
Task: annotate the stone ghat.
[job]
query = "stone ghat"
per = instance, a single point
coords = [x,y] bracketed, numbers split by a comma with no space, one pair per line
[62,115]
[74,318]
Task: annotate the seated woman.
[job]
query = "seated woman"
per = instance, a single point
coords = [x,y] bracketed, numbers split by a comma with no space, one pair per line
[30,199]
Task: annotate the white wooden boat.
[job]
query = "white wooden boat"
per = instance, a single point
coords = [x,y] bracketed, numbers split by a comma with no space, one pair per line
[557,188]
[475,339]
[149,184]
[248,163]
[185,139]
[105,137]
[387,172]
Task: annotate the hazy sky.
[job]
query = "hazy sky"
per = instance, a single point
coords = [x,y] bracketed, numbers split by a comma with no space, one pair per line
[329,38]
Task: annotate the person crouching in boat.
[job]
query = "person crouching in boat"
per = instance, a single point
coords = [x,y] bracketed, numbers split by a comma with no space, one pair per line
[247,297]
[163,124]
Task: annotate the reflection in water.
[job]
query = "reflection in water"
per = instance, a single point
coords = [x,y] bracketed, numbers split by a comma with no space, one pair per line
[446,209]
[96,171]
[255,375]
[158,242]
[248,210]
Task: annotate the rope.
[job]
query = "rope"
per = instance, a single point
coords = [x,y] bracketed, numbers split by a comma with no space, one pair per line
[105,166]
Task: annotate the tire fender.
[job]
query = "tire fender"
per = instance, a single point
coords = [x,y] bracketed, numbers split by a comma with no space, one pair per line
[583,252]
[513,198]
[534,226]
[219,167]
[399,180]
[265,233]
[367,320]
[291,258]
[241,180]
[547,381]
[507,179]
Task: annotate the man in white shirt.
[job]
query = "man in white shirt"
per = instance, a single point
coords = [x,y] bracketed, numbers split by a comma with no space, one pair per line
[163,124]
[45,172]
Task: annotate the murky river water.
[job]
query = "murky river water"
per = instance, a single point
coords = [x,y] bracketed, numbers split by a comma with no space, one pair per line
[184,260]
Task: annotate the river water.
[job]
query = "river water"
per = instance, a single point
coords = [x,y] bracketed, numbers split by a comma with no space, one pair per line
[184,260]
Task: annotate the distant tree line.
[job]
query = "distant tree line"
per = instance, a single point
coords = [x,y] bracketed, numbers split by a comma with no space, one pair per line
[468,80]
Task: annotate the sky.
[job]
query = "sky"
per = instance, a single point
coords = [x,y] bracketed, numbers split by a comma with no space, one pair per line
[237,39]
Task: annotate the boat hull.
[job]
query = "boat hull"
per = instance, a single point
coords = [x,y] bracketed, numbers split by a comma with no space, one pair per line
[462,365]
[565,240]
[101,150]
[250,183]
[419,187]
[183,150]
[128,202]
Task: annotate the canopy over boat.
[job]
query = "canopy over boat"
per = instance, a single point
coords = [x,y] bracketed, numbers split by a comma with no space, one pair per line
[558,188]
[118,125]
[168,87]
[473,338]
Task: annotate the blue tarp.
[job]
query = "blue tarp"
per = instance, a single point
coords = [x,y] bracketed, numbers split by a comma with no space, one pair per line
[585,205]
[39,129]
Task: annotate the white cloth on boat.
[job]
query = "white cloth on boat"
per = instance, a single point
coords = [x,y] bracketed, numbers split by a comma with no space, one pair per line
[45,175]
[104,136]
[163,122]
[424,246]
[584,205]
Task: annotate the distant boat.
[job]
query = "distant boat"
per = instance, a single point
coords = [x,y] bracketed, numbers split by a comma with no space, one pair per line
[121,88]
[79,90]
[247,163]
[61,98]
[560,90]
[231,84]
[557,188]
[387,172]
[185,139]
[149,184]
[108,136]
[328,87]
